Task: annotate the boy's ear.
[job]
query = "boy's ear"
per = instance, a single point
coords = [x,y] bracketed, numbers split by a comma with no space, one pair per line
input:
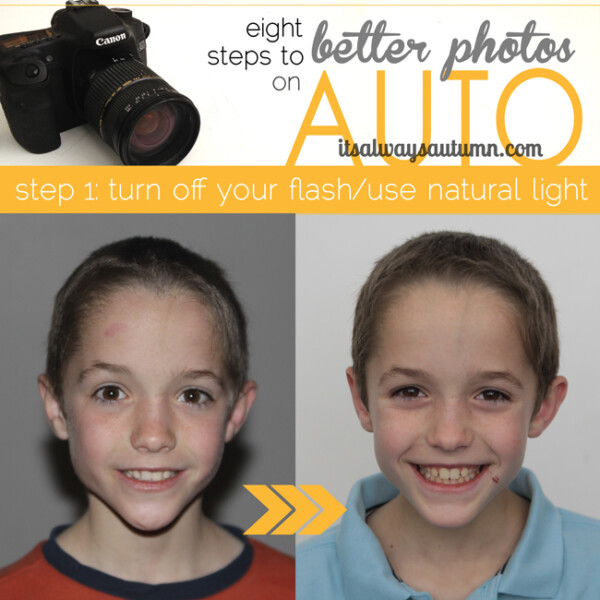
[240,410]
[359,406]
[54,412]
[550,404]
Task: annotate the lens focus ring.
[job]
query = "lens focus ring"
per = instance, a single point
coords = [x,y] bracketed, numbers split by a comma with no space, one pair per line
[106,87]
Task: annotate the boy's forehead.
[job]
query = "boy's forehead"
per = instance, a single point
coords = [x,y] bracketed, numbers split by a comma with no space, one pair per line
[140,304]
[132,323]
[439,297]
[437,325]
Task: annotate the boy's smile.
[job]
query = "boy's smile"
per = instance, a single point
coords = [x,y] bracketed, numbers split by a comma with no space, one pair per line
[451,396]
[449,474]
[148,409]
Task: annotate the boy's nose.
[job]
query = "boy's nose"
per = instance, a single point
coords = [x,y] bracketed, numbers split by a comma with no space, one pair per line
[152,429]
[450,428]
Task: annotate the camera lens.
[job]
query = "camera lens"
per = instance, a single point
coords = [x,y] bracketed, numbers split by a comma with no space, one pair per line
[153,128]
[140,115]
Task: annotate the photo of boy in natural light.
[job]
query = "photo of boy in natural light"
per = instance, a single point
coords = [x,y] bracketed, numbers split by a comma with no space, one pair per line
[146,377]
[455,364]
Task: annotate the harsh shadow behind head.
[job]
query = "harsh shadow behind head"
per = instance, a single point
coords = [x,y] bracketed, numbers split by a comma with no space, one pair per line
[227,481]
[58,463]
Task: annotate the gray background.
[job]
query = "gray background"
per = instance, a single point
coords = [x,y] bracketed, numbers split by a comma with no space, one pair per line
[334,255]
[37,253]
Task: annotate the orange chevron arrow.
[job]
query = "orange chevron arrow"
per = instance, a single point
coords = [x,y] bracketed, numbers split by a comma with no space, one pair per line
[277,509]
[304,509]
[332,509]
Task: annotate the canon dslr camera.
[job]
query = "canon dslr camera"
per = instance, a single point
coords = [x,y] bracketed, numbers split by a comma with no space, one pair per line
[90,65]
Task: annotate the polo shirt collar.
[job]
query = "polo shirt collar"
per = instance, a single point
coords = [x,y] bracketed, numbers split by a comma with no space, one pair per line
[365,568]
[535,569]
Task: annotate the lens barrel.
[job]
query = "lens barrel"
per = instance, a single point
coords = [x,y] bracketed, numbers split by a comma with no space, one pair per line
[140,115]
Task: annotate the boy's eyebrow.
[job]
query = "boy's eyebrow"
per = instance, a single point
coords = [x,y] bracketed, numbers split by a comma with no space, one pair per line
[201,373]
[506,375]
[102,366]
[416,373]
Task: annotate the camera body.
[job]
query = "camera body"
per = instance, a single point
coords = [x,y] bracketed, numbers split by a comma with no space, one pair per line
[44,74]
[90,66]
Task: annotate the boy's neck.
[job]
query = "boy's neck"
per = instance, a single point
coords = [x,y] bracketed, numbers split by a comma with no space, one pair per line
[429,558]
[192,547]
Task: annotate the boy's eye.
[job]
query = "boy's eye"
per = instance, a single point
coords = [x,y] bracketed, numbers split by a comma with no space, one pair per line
[194,396]
[493,396]
[410,391]
[109,393]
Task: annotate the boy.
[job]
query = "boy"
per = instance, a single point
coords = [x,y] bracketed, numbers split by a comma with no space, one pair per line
[146,377]
[455,358]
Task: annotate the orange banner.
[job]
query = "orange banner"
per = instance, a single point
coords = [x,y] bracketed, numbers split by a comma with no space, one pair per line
[300,190]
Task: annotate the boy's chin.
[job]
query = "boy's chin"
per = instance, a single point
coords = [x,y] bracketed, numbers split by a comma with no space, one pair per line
[448,518]
[150,520]
[149,524]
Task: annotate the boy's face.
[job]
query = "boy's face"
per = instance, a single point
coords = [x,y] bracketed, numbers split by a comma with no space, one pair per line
[147,409]
[451,398]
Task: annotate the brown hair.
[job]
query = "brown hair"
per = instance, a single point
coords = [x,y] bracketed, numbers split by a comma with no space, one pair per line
[462,258]
[157,264]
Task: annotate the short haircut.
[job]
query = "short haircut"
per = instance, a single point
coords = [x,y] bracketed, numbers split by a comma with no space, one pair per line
[461,258]
[161,266]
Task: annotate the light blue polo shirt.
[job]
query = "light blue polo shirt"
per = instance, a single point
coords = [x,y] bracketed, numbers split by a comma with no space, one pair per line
[558,555]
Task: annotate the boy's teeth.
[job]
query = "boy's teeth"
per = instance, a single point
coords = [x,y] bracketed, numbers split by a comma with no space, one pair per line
[150,475]
[449,476]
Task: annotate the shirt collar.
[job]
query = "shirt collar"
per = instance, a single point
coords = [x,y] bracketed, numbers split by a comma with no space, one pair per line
[536,566]
[114,587]
[367,573]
